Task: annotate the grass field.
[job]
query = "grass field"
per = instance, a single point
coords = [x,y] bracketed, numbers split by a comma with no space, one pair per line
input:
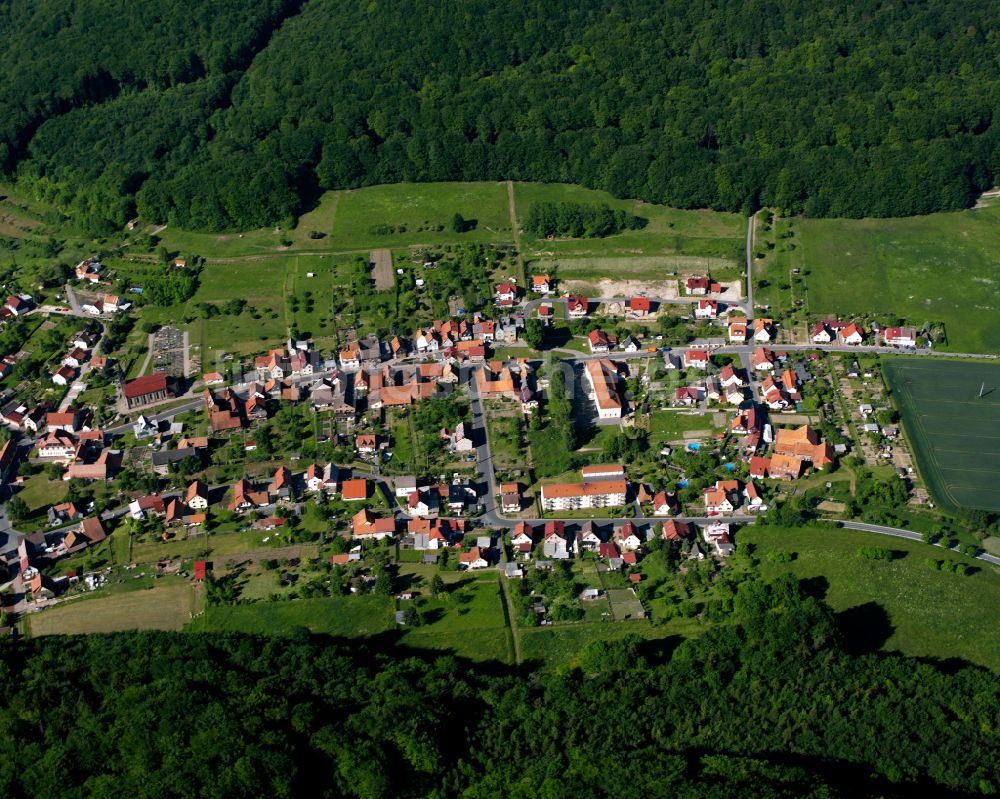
[416,210]
[469,622]
[670,425]
[638,267]
[167,606]
[954,434]
[560,644]
[899,605]
[348,616]
[40,492]
[669,231]
[220,544]
[938,267]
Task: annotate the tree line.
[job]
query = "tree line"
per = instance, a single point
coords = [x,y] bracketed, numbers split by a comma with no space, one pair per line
[229,115]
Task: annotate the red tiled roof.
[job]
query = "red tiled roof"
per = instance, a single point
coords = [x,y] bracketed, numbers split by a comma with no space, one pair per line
[147,384]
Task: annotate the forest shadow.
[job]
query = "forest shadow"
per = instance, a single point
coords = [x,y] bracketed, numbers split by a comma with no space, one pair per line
[865,628]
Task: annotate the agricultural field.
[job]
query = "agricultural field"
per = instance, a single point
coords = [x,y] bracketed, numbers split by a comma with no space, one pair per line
[942,267]
[896,605]
[165,605]
[954,433]
[405,214]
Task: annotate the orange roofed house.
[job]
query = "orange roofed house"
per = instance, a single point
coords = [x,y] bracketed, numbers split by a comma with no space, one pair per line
[366,524]
[354,490]
[794,448]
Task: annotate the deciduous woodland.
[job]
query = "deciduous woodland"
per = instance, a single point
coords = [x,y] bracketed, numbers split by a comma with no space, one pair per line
[224,114]
[769,706]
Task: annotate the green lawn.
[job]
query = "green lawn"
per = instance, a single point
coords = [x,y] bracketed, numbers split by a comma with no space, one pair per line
[416,210]
[348,616]
[262,283]
[469,621]
[40,492]
[901,604]
[955,434]
[671,425]
[403,456]
[670,231]
[939,267]
[504,444]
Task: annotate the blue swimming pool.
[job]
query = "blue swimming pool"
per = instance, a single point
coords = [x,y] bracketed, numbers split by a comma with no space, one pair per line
[694,446]
[729,467]
[682,483]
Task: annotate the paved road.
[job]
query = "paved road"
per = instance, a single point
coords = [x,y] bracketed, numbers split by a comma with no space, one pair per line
[484,456]
[73,302]
[908,534]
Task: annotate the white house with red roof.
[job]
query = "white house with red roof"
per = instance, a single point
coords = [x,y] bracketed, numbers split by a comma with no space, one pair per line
[754,501]
[541,283]
[706,309]
[577,307]
[701,285]
[506,293]
[821,333]
[638,307]
[598,341]
[763,330]
[89,269]
[852,334]
[664,504]
[695,359]
[900,336]
[762,360]
[630,536]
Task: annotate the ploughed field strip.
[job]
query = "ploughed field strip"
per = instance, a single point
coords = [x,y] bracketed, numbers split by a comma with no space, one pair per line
[955,432]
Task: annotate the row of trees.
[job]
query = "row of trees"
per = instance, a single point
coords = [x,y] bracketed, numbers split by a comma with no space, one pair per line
[579,220]
[766,703]
[234,115]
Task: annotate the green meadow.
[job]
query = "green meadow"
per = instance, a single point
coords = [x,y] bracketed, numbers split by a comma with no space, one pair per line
[941,267]
[898,605]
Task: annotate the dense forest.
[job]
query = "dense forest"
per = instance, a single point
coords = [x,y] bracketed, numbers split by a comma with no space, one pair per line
[222,114]
[769,706]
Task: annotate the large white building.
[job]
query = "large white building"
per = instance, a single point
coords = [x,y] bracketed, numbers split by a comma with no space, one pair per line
[574,496]
[602,378]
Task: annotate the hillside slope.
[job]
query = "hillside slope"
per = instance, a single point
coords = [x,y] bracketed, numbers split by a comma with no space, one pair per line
[850,109]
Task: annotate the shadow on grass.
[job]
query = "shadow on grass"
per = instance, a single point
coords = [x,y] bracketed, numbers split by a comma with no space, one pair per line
[865,628]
